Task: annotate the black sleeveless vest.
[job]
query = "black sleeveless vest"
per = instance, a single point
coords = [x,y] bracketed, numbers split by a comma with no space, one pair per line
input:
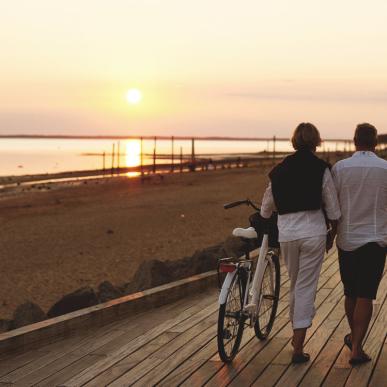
[297,182]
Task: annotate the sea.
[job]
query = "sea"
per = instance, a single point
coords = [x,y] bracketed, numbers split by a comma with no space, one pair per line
[25,156]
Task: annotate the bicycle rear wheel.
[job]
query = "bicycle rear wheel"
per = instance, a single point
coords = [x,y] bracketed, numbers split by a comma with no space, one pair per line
[269,296]
[231,319]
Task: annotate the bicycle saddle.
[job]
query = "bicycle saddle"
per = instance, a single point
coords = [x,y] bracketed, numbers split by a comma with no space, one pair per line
[248,233]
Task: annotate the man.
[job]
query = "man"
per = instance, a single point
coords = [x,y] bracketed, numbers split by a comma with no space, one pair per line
[361,183]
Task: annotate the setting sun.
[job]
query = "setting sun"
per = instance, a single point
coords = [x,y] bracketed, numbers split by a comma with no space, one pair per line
[133,96]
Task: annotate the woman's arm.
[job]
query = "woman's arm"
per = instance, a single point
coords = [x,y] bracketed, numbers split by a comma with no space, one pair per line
[268,205]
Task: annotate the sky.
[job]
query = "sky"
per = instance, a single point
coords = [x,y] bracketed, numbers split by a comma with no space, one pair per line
[204,67]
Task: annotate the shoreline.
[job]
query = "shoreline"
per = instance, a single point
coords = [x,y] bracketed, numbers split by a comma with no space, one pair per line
[56,241]
[260,159]
[22,183]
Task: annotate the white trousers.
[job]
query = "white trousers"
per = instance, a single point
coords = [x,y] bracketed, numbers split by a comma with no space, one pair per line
[303,259]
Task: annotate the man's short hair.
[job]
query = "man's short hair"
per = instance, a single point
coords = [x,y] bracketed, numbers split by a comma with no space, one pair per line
[366,135]
[306,136]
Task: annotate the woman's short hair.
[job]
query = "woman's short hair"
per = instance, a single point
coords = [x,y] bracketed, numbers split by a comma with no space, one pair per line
[306,136]
[366,135]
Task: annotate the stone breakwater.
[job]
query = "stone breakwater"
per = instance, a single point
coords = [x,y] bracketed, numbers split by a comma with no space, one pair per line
[151,273]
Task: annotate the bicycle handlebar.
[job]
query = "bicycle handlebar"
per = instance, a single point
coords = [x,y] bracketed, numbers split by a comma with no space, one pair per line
[248,202]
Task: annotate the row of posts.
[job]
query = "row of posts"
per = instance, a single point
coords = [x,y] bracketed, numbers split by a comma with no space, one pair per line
[115,155]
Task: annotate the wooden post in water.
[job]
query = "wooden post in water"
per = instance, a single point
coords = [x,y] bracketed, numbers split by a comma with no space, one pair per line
[154,155]
[274,139]
[113,150]
[118,157]
[172,155]
[181,159]
[141,161]
[103,162]
[193,155]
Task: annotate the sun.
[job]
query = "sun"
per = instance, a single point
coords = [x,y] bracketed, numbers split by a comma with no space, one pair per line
[133,96]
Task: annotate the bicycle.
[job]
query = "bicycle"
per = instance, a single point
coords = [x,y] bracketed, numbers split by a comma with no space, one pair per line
[249,297]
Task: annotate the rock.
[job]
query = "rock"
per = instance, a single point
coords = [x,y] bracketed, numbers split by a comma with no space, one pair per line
[106,292]
[207,259]
[150,274]
[155,272]
[81,298]
[5,325]
[109,231]
[27,313]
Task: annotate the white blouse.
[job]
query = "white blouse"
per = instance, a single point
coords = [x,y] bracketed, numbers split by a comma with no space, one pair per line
[304,224]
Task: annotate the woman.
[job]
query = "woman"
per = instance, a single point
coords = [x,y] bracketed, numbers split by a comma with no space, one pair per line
[301,189]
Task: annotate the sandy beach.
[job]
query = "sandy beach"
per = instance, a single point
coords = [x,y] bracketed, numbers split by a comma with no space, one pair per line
[53,242]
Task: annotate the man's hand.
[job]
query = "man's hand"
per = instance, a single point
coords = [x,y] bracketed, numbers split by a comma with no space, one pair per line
[331,235]
[330,240]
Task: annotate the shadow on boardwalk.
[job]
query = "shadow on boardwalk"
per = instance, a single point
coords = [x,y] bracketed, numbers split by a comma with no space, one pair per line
[176,345]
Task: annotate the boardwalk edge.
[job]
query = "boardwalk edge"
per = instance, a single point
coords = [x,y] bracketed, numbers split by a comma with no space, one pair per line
[56,328]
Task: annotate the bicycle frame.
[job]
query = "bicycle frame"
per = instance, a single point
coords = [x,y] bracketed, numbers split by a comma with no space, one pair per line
[258,275]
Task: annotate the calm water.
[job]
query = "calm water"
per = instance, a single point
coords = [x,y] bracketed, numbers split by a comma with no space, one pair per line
[31,156]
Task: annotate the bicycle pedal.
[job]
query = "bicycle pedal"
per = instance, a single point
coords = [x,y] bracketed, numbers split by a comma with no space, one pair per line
[251,307]
[226,334]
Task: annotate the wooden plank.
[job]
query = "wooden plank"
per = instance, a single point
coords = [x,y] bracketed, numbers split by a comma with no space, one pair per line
[294,374]
[231,373]
[60,354]
[34,368]
[167,358]
[17,361]
[114,357]
[213,367]
[326,358]
[341,369]
[360,376]
[258,363]
[262,359]
[283,358]
[43,367]
[64,374]
[45,331]
[379,376]
[118,369]
[209,354]
[187,368]
[13,362]
[248,336]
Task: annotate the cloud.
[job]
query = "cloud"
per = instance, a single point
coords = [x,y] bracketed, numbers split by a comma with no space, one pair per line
[317,96]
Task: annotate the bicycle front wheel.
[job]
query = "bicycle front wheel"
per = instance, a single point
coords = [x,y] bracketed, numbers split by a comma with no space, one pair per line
[231,320]
[269,296]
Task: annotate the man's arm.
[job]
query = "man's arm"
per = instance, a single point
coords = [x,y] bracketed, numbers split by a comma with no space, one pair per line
[331,206]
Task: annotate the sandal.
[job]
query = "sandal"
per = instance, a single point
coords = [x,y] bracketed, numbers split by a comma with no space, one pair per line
[364,358]
[348,341]
[300,358]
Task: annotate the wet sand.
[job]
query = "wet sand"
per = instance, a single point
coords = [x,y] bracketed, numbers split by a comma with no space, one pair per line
[53,242]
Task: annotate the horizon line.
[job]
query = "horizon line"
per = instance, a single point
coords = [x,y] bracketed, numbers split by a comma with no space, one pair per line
[149,137]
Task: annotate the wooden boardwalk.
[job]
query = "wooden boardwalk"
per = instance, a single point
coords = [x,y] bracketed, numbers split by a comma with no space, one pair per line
[176,345]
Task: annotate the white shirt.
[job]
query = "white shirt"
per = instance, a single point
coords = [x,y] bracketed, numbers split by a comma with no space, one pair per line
[304,224]
[361,183]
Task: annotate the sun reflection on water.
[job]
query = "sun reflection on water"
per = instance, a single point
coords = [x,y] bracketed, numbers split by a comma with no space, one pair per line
[133,156]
